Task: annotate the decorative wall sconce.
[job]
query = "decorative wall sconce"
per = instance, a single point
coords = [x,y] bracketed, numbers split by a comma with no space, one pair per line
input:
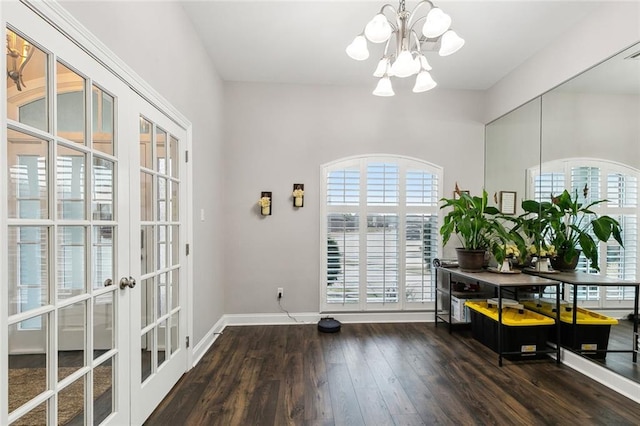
[298,195]
[265,203]
[19,52]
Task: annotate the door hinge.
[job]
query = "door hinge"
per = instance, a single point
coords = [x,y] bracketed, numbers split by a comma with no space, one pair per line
[187,249]
[186,156]
[187,341]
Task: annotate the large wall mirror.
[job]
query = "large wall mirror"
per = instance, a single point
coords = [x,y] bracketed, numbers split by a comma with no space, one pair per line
[582,135]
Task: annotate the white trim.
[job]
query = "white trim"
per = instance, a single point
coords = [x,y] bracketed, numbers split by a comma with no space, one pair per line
[600,374]
[4,289]
[207,341]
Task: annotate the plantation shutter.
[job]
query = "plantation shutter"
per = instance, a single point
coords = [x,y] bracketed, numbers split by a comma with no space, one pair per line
[618,184]
[382,233]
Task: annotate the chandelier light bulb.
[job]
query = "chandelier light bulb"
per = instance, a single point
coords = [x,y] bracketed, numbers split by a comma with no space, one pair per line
[358,49]
[436,24]
[384,87]
[378,29]
[381,69]
[424,82]
[450,43]
[404,65]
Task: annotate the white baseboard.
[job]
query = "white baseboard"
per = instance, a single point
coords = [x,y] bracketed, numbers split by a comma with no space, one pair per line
[205,343]
[600,374]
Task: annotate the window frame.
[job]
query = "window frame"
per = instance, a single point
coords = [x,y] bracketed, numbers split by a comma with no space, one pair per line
[594,296]
[362,209]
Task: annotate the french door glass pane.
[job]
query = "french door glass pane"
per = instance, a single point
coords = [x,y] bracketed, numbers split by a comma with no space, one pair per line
[31,110]
[70,183]
[146,197]
[174,161]
[162,294]
[174,332]
[174,244]
[103,332]
[103,113]
[70,95]
[162,199]
[71,339]
[71,261]
[27,164]
[146,355]
[147,248]
[28,269]
[162,342]
[146,144]
[146,301]
[102,189]
[102,254]
[162,247]
[175,288]
[103,390]
[71,403]
[26,381]
[174,201]
[161,150]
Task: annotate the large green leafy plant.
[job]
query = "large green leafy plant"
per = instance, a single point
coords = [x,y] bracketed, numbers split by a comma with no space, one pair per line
[477,225]
[569,226]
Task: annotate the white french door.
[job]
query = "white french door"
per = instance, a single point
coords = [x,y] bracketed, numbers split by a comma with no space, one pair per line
[158,329]
[93,325]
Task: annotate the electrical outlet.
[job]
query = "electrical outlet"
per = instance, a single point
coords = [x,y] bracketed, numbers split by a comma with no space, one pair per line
[280,293]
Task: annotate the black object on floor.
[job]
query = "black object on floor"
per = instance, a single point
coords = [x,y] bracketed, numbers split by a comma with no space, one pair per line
[329,325]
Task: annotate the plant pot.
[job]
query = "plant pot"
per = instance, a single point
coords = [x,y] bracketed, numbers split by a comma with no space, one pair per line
[559,264]
[470,260]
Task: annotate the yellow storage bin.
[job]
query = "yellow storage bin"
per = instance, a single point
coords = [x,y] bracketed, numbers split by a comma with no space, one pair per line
[524,333]
[510,316]
[590,334]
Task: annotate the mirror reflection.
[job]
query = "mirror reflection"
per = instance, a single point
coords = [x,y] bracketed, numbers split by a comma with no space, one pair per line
[583,136]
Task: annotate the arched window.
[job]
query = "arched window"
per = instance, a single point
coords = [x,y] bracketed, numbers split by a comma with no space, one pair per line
[618,184]
[380,223]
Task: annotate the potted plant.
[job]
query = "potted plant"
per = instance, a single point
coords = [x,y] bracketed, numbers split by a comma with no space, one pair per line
[476,224]
[568,226]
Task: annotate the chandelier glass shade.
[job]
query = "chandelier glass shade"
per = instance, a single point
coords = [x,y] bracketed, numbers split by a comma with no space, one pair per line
[407,37]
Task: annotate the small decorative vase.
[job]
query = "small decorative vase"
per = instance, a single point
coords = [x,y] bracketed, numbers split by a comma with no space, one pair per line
[297,201]
[542,265]
[265,210]
[506,266]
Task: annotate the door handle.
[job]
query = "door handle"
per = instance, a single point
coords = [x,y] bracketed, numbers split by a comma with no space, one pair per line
[127,282]
[108,282]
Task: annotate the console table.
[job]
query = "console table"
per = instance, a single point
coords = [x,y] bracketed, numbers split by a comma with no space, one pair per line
[576,279]
[498,282]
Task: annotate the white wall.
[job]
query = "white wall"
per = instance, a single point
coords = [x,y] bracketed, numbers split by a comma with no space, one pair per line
[157,41]
[605,32]
[278,135]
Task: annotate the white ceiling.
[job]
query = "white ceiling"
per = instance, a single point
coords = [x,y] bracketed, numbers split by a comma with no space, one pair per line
[303,42]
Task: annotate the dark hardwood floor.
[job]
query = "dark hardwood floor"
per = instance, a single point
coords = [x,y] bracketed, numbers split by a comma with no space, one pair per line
[380,374]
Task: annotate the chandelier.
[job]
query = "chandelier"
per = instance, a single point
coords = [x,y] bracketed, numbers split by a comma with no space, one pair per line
[19,52]
[408,57]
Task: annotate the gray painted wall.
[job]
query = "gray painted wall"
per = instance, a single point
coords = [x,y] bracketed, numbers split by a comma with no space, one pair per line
[278,135]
